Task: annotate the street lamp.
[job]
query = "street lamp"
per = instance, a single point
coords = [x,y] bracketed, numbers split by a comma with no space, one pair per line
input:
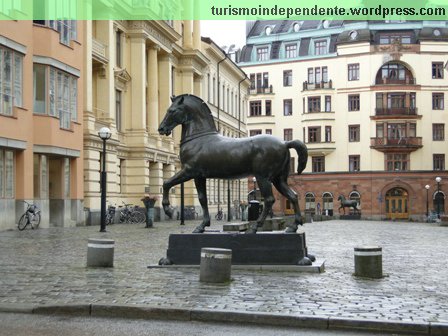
[254,180]
[427,201]
[105,134]
[438,179]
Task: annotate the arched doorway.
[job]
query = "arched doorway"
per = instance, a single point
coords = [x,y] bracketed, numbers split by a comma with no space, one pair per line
[327,200]
[397,204]
[439,203]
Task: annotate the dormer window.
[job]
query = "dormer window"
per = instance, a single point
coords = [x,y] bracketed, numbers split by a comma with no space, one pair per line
[325,24]
[401,37]
[268,30]
[320,47]
[262,54]
[296,26]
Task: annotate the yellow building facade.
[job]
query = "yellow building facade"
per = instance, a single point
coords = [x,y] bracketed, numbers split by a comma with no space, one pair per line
[369,100]
[132,69]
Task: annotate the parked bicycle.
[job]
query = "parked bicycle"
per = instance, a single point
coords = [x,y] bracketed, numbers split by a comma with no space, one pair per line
[130,214]
[110,214]
[219,215]
[30,217]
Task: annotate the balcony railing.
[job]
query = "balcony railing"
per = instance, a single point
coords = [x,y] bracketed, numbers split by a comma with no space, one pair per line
[408,111]
[99,51]
[261,90]
[317,86]
[384,143]
[395,81]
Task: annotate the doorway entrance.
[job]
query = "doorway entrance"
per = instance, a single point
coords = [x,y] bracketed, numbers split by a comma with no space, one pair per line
[397,204]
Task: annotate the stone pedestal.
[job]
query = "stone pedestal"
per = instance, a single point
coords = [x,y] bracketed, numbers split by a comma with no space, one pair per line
[247,249]
[216,264]
[100,253]
[369,262]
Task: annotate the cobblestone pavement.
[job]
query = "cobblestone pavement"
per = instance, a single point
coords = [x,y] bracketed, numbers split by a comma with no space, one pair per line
[48,266]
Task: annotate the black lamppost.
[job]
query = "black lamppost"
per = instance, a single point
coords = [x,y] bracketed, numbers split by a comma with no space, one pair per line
[438,180]
[182,204]
[427,201]
[105,134]
[254,180]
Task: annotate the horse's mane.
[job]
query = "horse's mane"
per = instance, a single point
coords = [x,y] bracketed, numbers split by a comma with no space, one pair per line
[203,105]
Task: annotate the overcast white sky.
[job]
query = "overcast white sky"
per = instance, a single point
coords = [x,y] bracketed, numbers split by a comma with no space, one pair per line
[225,32]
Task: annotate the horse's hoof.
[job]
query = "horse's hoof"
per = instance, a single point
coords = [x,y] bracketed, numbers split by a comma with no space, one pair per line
[290,230]
[199,230]
[169,212]
[305,262]
[165,261]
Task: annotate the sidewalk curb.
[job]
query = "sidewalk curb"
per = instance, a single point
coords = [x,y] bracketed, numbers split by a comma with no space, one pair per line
[244,317]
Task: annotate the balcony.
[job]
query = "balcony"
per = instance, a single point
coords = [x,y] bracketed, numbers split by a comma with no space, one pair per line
[396,113]
[261,90]
[317,86]
[320,148]
[396,81]
[404,144]
[99,52]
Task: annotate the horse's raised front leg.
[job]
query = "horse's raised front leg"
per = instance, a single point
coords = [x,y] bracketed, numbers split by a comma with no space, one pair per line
[201,187]
[178,178]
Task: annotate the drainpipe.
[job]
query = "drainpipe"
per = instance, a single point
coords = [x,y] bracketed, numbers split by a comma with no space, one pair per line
[239,129]
[219,101]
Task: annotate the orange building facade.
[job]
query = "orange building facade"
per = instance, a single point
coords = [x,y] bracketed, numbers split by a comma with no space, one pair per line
[41,129]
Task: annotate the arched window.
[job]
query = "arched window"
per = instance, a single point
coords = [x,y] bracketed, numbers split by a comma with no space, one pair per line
[310,203]
[394,73]
[439,202]
[355,196]
[327,200]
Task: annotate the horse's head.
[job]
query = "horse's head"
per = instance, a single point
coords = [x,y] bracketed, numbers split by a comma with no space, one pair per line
[175,115]
[340,198]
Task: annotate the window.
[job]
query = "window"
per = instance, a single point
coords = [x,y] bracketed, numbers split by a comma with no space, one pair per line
[118,48]
[437,101]
[11,73]
[353,72]
[327,103]
[327,200]
[265,79]
[389,38]
[254,132]
[437,70]
[292,165]
[60,99]
[7,174]
[320,47]
[310,203]
[287,78]
[291,50]
[287,134]
[268,131]
[353,133]
[438,132]
[396,131]
[40,176]
[314,134]
[268,107]
[262,54]
[255,108]
[318,164]
[394,73]
[67,29]
[287,107]
[118,109]
[327,133]
[353,102]
[354,163]
[313,104]
[438,161]
[120,175]
[318,75]
[397,161]
[355,196]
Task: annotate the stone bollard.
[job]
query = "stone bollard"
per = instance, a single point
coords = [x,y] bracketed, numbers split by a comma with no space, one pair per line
[369,262]
[100,253]
[216,264]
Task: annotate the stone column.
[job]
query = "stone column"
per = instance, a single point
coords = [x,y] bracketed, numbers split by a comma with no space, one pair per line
[156,178]
[188,34]
[152,111]
[196,34]
[138,72]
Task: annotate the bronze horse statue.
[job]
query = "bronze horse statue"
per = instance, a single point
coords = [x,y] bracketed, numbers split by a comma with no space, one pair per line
[347,204]
[204,153]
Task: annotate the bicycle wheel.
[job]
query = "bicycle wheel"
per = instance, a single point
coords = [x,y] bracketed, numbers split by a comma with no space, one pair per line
[35,220]
[137,217]
[23,221]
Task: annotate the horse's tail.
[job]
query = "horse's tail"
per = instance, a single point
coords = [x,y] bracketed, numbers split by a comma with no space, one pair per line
[302,152]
